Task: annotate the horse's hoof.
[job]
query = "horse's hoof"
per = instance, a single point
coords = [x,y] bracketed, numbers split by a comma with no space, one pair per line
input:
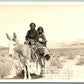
[42,75]
[25,78]
[29,78]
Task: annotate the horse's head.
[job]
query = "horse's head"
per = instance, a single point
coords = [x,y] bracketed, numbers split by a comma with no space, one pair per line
[12,43]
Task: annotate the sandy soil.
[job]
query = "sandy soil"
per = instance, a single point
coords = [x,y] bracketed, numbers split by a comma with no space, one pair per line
[70,71]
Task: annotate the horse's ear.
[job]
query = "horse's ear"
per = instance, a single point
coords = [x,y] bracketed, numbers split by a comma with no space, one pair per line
[8,36]
[14,35]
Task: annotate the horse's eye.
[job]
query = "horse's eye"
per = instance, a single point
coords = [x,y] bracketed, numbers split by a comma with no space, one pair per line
[14,44]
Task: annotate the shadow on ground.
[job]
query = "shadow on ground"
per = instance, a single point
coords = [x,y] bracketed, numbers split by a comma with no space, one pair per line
[21,76]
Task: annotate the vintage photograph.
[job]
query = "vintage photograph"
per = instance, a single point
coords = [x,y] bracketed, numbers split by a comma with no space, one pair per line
[41,41]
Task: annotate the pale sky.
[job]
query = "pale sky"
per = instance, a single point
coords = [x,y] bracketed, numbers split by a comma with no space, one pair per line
[60,22]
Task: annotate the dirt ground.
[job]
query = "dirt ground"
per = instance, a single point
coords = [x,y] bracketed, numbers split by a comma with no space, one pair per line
[68,70]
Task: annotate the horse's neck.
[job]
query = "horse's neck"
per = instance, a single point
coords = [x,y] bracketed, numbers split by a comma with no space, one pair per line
[23,50]
[20,47]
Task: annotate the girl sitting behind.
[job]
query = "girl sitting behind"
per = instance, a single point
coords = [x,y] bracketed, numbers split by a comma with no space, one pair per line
[41,36]
[42,42]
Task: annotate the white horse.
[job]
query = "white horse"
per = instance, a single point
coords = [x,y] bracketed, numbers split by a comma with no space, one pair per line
[23,51]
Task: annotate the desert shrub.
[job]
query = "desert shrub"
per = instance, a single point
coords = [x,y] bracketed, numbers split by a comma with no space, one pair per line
[71,56]
[80,61]
[55,61]
[68,53]
[7,65]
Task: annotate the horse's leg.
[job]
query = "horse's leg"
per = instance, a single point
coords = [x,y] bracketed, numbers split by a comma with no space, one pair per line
[28,69]
[25,72]
[42,66]
[45,67]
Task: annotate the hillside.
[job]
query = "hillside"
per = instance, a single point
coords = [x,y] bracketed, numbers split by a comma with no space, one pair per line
[3,47]
[77,43]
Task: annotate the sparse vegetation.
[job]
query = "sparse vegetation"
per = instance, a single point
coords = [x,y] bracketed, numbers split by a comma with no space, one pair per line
[7,64]
[58,57]
[80,61]
[68,53]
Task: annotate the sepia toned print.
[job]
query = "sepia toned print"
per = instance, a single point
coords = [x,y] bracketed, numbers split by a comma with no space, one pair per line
[41,42]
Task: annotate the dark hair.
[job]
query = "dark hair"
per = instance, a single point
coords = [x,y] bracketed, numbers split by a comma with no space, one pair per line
[40,28]
[32,24]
